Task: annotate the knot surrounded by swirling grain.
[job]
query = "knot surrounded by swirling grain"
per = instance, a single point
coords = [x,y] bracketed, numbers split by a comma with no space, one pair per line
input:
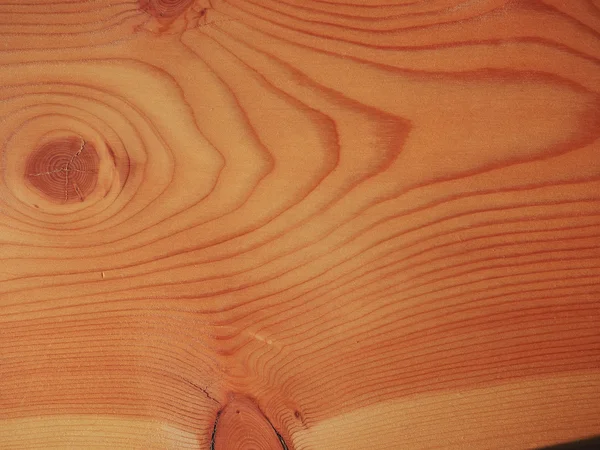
[165,9]
[64,169]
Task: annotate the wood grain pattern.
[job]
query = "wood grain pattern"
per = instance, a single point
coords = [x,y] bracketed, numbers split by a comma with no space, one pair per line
[361,223]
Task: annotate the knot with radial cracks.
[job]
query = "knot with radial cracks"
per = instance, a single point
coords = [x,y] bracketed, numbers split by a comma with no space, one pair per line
[64,169]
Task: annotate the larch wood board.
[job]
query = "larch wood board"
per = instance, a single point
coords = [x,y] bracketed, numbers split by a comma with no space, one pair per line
[299,224]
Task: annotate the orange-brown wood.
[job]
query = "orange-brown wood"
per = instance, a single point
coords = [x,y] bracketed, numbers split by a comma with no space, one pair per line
[363,224]
[242,425]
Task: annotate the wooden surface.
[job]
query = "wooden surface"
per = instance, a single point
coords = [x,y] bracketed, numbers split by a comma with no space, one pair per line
[301,224]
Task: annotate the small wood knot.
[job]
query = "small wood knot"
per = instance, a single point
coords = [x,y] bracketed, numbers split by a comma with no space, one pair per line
[64,169]
[241,422]
[165,9]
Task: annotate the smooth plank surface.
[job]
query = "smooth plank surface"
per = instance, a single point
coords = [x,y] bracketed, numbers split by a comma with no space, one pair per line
[361,223]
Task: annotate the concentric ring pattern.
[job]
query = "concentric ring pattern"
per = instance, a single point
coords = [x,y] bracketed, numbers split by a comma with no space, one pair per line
[355,222]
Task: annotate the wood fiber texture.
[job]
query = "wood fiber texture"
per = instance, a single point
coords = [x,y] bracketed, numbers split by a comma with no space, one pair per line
[299,224]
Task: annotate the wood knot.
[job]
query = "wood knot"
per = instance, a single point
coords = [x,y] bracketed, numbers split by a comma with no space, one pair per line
[170,17]
[64,170]
[241,424]
[165,10]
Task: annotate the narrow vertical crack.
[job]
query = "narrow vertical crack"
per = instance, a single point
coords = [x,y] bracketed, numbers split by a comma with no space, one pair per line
[214,433]
[78,191]
[78,152]
[279,436]
[67,169]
